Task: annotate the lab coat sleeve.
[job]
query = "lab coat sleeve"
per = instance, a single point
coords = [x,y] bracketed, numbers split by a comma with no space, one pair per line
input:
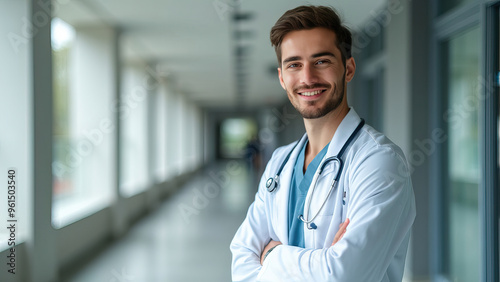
[381,213]
[250,239]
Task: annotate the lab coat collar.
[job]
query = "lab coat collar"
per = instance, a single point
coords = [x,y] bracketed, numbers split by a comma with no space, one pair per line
[345,129]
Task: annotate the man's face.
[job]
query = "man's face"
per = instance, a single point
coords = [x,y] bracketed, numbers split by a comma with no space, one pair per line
[312,72]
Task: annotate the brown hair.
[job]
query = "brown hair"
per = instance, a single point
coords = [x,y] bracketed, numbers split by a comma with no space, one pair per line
[309,17]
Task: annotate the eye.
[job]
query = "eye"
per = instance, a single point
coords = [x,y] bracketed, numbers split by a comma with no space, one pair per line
[322,62]
[292,66]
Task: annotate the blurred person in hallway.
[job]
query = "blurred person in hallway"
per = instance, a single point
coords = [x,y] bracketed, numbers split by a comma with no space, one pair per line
[253,153]
[338,204]
[253,158]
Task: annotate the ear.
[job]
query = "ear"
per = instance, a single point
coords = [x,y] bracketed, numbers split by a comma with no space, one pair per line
[281,79]
[350,67]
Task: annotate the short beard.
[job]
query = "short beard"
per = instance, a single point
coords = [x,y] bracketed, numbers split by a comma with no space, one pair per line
[330,105]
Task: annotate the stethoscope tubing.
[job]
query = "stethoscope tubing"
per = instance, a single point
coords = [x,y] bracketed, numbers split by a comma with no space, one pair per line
[272,183]
[338,159]
[332,187]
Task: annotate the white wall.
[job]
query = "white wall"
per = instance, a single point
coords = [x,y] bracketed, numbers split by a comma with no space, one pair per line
[15,129]
[396,104]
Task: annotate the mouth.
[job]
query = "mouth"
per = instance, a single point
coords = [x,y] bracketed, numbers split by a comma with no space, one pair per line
[311,93]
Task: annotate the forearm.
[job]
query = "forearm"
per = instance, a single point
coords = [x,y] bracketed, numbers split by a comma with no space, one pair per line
[247,245]
[245,265]
[290,263]
[246,253]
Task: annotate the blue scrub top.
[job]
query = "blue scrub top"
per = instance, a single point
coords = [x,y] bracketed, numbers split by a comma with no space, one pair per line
[298,191]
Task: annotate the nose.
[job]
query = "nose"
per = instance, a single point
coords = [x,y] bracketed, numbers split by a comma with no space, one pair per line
[309,75]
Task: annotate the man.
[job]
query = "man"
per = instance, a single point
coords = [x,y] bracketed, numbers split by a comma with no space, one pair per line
[304,228]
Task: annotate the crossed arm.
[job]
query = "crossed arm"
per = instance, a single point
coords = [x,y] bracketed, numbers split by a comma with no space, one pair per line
[272,244]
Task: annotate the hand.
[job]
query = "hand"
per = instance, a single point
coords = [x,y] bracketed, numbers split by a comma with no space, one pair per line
[267,248]
[340,233]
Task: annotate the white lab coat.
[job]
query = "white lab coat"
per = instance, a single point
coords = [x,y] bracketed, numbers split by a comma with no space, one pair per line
[380,206]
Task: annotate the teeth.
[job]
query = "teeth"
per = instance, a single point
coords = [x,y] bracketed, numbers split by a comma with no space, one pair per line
[311,93]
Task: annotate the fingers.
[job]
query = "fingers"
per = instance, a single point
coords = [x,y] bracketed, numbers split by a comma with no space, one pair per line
[346,222]
[270,245]
[341,232]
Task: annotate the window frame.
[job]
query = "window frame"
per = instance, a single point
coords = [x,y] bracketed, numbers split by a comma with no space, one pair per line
[489,198]
[485,15]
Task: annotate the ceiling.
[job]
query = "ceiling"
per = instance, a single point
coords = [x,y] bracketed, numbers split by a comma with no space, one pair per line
[195,42]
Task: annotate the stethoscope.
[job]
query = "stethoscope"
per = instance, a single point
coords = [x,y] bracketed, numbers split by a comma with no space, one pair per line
[272,182]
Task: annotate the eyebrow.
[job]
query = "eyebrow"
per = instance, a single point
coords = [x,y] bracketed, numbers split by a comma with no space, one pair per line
[323,54]
[290,59]
[297,58]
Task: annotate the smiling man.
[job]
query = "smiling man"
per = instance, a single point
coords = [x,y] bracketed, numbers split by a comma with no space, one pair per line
[338,204]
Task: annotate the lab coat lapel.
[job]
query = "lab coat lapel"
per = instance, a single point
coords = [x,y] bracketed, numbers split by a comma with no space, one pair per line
[345,129]
[283,193]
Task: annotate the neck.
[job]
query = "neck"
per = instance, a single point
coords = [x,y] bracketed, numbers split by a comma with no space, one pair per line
[320,131]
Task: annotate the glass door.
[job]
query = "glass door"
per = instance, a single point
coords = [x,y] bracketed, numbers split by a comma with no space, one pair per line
[459,56]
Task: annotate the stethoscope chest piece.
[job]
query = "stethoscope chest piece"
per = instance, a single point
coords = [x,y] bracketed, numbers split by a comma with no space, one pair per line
[272,183]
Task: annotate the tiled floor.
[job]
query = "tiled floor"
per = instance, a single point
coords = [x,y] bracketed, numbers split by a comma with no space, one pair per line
[187,238]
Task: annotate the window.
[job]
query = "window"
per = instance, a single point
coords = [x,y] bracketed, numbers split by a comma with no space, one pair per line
[178,122]
[193,136]
[84,125]
[63,36]
[235,134]
[197,141]
[160,135]
[134,133]
[173,120]
[460,55]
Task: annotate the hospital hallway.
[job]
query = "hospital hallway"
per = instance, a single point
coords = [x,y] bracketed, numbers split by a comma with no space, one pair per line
[171,245]
[133,134]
